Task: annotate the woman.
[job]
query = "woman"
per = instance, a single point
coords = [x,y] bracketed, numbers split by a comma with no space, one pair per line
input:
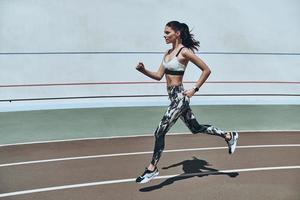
[173,66]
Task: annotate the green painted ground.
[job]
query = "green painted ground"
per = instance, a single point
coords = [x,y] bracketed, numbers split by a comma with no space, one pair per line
[32,126]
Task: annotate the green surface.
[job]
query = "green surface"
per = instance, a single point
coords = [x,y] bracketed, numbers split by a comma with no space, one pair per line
[32,126]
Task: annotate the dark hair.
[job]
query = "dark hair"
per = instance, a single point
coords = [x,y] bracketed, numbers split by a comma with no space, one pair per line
[185,34]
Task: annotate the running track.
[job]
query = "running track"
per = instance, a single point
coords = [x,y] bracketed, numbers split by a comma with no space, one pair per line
[265,166]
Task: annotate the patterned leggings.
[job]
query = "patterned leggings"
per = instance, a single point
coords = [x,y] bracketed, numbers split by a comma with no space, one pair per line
[179,107]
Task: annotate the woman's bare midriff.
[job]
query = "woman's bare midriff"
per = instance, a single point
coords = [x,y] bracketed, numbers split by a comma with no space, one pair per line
[174,80]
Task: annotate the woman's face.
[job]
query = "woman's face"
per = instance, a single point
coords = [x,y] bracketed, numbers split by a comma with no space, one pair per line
[170,35]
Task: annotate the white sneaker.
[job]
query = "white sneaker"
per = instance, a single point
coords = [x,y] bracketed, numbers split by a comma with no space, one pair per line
[232,142]
[147,176]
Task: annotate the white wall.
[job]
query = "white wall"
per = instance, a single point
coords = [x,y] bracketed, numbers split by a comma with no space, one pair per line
[55,36]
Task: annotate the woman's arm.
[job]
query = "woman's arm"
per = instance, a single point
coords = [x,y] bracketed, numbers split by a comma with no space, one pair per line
[188,54]
[154,75]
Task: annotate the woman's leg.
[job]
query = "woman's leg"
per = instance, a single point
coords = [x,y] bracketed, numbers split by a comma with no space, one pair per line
[174,111]
[190,121]
[177,106]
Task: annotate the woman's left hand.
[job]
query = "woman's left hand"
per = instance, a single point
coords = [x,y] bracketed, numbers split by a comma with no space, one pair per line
[189,93]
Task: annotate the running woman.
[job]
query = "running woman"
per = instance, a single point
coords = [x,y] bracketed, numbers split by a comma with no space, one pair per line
[173,66]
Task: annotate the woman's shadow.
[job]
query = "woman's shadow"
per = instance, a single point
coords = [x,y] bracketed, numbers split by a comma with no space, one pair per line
[191,168]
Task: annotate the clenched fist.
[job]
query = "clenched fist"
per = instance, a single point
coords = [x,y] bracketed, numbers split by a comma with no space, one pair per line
[140,67]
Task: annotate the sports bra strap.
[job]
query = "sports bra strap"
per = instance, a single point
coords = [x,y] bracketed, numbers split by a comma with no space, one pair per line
[179,51]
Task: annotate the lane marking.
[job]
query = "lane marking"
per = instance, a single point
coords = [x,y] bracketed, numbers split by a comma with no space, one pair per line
[140,153]
[92,138]
[135,136]
[63,187]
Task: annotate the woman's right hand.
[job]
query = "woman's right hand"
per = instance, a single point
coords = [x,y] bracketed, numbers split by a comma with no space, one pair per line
[140,67]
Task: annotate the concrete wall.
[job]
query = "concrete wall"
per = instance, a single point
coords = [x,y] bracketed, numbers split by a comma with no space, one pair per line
[65,49]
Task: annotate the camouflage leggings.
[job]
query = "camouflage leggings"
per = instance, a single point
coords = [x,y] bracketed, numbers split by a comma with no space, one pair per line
[179,107]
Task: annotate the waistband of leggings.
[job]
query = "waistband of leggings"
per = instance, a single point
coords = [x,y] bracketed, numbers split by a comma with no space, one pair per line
[175,88]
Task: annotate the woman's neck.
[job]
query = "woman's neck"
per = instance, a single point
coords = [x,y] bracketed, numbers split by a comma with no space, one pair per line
[176,44]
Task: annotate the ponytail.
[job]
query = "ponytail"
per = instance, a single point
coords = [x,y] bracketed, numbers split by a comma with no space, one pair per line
[185,34]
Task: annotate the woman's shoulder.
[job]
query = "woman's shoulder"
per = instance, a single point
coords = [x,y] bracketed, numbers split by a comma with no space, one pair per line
[186,51]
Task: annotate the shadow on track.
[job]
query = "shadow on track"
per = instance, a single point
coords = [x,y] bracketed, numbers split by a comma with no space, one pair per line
[191,168]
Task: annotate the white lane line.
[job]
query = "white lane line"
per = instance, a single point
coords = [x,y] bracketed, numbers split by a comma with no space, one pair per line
[95,138]
[133,136]
[141,153]
[63,187]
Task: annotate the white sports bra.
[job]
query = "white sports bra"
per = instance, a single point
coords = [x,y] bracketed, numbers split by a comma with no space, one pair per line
[173,66]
